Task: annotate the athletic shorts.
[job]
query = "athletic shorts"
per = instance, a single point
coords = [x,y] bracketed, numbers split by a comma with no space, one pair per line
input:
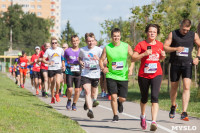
[17,73]
[36,75]
[155,84]
[93,81]
[177,71]
[24,71]
[41,72]
[70,79]
[52,73]
[117,87]
[31,76]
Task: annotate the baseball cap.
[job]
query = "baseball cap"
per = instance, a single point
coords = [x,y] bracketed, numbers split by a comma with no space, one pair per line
[37,47]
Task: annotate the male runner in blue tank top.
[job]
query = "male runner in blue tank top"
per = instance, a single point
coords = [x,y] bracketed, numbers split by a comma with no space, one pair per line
[180,45]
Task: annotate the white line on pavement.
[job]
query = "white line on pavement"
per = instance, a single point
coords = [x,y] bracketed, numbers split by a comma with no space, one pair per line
[132,116]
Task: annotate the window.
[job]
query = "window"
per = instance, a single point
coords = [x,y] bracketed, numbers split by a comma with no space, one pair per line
[52,6]
[39,0]
[32,0]
[39,6]
[32,6]
[52,13]
[39,14]
[3,0]
[3,6]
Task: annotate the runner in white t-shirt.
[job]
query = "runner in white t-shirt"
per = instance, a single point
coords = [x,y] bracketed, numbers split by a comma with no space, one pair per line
[55,65]
[89,60]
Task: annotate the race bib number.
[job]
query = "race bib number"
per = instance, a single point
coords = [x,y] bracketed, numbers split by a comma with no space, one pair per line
[92,66]
[37,65]
[23,64]
[184,53]
[75,68]
[150,68]
[117,65]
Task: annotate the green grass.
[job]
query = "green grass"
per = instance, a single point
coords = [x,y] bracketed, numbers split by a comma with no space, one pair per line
[21,112]
[164,98]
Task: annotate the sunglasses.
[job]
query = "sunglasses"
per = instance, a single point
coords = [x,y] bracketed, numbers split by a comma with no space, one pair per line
[54,42]
[63,47]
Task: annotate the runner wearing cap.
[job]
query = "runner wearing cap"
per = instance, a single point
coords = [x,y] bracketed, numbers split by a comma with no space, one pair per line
[44,70]
[23,61]
[55,67]
[36,68]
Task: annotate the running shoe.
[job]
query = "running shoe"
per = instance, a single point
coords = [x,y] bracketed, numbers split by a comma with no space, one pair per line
[74,107]
[143,123]
[22,86]
[172,111]
[153,126]
[85,106]
[32,88]
[57,98]
[120,106]
[115,118]
[184,116]
[37,92]
[95,103]
[16,82]
[102,94]
[52,100]
[64,96]
[43,94]
[39,87]
[90,114]
[68,106]
[46,95]
[109,97]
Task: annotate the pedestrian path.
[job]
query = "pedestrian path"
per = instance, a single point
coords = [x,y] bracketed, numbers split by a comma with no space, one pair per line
[129,120]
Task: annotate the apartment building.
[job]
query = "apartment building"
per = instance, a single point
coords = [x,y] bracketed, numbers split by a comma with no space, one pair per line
[42,8]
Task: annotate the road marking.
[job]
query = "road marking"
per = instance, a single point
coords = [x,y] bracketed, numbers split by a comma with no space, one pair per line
[135,117]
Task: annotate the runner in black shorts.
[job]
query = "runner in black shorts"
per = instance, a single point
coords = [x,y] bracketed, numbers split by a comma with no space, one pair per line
[73,72]
[180,44]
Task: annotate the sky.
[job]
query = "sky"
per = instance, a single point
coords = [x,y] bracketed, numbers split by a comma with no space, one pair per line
[86,15]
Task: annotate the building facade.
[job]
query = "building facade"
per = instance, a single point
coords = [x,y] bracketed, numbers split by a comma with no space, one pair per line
[42,8]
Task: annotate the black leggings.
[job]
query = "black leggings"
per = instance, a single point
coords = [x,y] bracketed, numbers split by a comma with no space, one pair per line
[144,84]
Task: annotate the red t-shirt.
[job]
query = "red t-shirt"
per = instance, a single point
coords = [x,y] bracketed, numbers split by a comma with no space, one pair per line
[43,65]
[150,65]
[36,66]
[23,61]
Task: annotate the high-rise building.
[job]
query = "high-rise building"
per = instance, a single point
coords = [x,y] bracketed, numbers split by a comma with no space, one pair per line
[42,8]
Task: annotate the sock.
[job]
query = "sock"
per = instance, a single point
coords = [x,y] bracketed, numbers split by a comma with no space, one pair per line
[65,88]
[142,116]
[153,122]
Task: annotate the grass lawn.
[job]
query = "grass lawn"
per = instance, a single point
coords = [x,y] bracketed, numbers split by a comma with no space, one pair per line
[21,112]
[164,98]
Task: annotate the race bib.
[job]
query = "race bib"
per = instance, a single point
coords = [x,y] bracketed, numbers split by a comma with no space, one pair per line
[92,66]
[46,65]
[37,65]
[117,65]
[184,53]
[150,68]
[23,64]
[75,68]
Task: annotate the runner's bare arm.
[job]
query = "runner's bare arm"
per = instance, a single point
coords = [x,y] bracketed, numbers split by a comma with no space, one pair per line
[167,45]
[101,61]
[80,61]
[44,60]
[197,41]
[136,56]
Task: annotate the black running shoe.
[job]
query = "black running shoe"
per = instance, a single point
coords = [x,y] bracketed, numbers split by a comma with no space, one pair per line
[115,118]
[16,82]
[172,111]
[85,106]
[184,116]
[90,114]
[120,106]
[43,94]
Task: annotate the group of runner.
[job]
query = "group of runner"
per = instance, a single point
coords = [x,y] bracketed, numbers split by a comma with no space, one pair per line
[83,67]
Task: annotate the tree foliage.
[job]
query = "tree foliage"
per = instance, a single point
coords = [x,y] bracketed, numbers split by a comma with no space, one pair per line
[28,29]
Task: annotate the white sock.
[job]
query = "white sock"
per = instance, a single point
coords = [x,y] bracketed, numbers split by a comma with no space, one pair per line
[142,116]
